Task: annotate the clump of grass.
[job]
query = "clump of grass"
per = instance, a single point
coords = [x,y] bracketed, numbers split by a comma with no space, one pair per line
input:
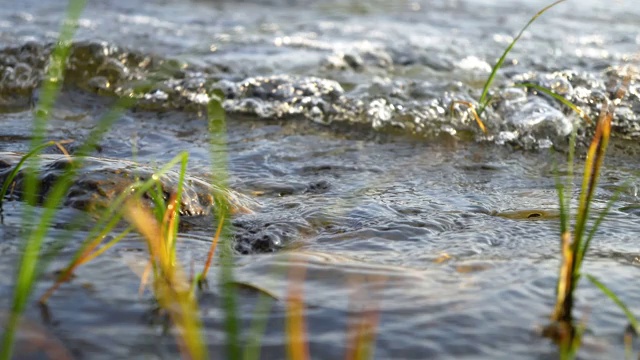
[575,244]
[485,97]
[173,291]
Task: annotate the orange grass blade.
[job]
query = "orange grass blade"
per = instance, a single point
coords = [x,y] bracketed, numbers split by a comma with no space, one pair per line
[106,246]
[297,345]
[562,311]
[472,108]
[362,328]
[144,279]
[87,255]
[60,146]
[212,249]
[169,224]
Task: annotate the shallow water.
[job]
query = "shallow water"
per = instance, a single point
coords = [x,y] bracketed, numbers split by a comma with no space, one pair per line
[339,128]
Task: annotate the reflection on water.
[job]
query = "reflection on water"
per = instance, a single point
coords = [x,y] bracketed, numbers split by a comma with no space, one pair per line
[463,235]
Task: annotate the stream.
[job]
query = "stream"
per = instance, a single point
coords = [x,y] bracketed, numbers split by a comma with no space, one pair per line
[345,151]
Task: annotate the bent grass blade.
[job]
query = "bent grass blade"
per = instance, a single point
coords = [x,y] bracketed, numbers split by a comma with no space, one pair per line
[559,98]
[219,165]
[484,100]
[472,108]
[632,319]
[214,243]
[12,175]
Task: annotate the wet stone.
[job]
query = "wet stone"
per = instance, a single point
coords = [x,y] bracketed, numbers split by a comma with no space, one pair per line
[265,233]
[516,116]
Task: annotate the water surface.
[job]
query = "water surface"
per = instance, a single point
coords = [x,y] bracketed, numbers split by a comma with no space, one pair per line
[340,130]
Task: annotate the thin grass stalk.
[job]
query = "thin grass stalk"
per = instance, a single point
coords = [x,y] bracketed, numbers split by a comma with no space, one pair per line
[295,329]
[219,162]
[85,257]
[175,209]
[362,328]
[564,198]
[632,319]
[596,225]
[593,163]
[212,249]
[559,98]
[12,175]
[484,101]
[62,185]
[258,326]
[156,196]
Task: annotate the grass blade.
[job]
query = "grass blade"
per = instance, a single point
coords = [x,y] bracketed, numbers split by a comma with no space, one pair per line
[485,91]
[472,108]
[219,164]
[9,179]
[212,249]
[171,288]
[592,167]
[632,319]
[29,259]
[561,99]
[258,327]
[296,332]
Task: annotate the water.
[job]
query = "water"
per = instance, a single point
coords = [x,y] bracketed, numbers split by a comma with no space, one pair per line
[340,132]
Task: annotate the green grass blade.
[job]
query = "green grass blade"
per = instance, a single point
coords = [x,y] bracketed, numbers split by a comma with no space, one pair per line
[219,161]
[632,319]
[59,189]
[174,230]
[564,210]
[7,182]
[485,91]
[29,259]
[258,327]
[113,214]
[560,98]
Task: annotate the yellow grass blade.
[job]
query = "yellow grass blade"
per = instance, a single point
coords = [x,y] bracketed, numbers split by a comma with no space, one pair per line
[472,108]
[171,288]
[212,249]
[87,255]
[144,278]
[362,328]
[297,346]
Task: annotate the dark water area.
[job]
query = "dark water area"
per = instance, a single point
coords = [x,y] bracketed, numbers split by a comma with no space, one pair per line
[341,140]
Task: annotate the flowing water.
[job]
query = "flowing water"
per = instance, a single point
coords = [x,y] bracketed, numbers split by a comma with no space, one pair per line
[342,141]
